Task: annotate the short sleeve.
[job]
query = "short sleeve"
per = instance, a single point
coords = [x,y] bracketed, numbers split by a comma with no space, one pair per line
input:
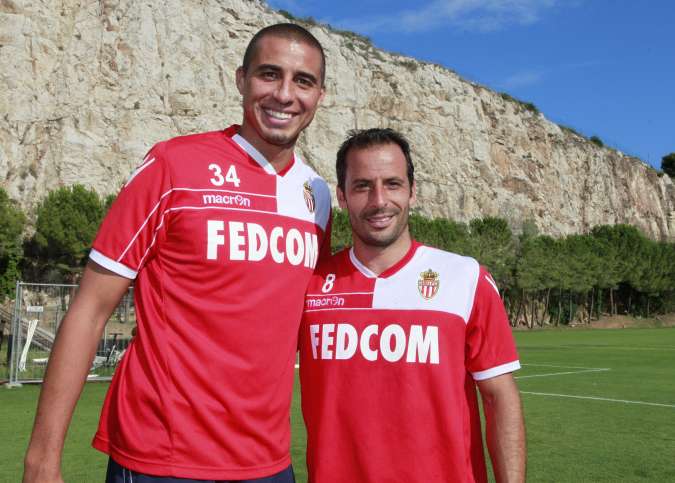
[132,226]
[491,350]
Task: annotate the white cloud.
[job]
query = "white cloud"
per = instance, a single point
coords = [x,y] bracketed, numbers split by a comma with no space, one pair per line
[473,15]
[531,76]
[522,79]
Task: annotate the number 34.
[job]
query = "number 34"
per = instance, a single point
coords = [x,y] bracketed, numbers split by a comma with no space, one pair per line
[230,176]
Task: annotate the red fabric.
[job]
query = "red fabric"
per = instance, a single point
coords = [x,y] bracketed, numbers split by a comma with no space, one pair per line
[387,390]
[204,389]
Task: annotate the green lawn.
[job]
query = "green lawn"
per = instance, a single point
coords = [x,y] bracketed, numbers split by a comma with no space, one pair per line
[618,427]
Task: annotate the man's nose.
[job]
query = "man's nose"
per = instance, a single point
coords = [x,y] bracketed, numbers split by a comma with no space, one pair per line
[284,91]
[378,196]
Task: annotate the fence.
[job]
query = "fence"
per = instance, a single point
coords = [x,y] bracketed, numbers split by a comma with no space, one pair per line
[38,311]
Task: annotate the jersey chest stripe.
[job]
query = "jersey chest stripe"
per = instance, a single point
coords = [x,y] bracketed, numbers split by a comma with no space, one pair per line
[167,193]
[225,191]
[138,171]
[221,208]
[343,293]
[145,222]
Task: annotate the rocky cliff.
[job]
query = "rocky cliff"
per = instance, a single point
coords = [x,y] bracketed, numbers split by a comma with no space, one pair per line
[86,87]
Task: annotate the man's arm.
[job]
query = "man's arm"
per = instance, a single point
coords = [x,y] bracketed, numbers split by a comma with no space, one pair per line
[70,360]
[505,427]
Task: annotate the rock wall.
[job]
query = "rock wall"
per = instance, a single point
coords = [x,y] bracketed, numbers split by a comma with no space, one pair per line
[86,87]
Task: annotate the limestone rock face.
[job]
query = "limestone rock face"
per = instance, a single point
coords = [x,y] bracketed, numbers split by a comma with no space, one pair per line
[86,88]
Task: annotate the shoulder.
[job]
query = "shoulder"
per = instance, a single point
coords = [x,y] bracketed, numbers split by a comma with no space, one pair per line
[316,190]
[189,141]
[181,144]
[459,265]
[316,182]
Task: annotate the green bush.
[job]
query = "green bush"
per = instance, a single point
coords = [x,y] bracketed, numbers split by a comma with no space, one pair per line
[12,221]
[668,164]
[67,221]
[597,141]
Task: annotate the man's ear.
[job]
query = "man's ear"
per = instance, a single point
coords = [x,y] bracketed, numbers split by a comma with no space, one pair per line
[413,194]
[341,198]
[240,79]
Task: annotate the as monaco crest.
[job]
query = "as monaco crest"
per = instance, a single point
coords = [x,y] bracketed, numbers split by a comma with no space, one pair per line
[428,284]
[308,193]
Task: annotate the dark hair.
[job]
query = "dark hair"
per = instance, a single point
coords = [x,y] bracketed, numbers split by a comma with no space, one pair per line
[287,31]
[366,138]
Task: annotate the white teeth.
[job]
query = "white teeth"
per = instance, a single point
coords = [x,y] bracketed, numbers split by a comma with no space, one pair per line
[278,115]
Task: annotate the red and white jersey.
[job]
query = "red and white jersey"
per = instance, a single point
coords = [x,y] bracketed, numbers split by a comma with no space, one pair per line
[388,366]
[222,249]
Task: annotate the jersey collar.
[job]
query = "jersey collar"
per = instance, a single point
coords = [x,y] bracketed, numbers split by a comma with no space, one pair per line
[256,155]
[389,271]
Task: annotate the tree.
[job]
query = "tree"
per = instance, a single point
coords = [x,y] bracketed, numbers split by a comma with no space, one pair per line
[341,231]
[12,221]
[536,274]
[67,221]
[439,233]
[668,164]
[492,244]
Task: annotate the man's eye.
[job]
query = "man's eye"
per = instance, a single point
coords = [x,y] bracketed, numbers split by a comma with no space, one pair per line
[269,75]
[305,82]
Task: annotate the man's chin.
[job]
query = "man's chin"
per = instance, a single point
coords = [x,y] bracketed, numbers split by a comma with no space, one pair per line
[281,140]
[379,241]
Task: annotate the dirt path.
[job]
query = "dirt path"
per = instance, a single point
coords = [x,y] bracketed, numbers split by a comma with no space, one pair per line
[627,322]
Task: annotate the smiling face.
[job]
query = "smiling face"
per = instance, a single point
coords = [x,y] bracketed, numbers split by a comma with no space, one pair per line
[378,196]
[281,90]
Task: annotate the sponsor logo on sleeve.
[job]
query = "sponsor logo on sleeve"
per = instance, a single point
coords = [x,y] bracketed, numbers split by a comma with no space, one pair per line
[428,284]
[308,193]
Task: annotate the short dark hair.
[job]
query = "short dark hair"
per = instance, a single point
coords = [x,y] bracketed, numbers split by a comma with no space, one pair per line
[366,138]
[288,31]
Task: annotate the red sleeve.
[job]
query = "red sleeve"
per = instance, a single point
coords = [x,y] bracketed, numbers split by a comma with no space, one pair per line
[131,228]
[490,349]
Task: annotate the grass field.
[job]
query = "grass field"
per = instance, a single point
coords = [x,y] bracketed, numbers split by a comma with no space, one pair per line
[599,407]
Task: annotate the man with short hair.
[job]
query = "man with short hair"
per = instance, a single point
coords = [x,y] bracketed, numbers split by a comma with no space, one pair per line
[221,232]
[394,339]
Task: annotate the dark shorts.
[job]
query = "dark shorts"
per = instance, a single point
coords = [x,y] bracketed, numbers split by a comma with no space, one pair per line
[119,474]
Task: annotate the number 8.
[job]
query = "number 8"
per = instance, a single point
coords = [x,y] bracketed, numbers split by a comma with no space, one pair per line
[328,284]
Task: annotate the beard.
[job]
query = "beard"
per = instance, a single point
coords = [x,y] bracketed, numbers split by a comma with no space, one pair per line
[281,139]
[379,238]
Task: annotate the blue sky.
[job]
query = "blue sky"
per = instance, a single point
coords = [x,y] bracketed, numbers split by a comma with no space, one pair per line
[602,67]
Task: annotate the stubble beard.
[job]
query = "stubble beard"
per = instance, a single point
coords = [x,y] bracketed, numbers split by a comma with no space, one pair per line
[281,140]
[386,238]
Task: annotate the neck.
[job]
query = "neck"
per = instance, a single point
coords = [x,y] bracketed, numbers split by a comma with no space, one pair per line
[379,259]
[277,156]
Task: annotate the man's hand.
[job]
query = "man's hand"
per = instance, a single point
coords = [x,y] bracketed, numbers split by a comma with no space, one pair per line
[74,348]
[505,427]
